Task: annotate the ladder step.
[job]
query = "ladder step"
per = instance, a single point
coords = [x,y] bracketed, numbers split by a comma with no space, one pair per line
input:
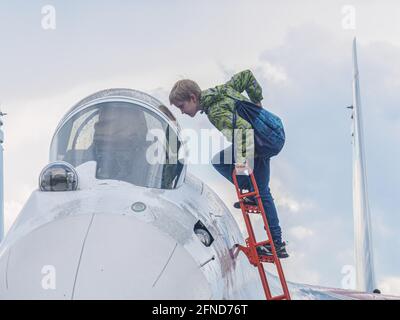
[252,209]
[247,194]
[262,243]
[267,259]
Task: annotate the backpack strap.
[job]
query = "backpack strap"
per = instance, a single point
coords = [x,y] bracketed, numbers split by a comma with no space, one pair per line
[233,131]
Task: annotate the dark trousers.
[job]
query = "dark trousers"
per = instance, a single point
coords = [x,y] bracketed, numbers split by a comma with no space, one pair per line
[261,173]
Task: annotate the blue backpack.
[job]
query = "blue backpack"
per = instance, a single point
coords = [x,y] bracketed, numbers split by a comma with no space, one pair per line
[269,135]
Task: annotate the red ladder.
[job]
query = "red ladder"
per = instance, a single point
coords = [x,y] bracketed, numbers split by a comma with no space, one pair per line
[251,244]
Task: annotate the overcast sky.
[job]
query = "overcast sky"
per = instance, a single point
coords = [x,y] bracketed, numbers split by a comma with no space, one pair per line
[300,52]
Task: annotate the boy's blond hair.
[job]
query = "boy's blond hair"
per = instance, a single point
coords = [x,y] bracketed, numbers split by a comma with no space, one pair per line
[182,90]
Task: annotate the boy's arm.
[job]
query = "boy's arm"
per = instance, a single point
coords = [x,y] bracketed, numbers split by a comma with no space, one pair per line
[245,81]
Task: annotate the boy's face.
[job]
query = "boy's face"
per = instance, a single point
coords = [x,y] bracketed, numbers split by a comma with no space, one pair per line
[189,107]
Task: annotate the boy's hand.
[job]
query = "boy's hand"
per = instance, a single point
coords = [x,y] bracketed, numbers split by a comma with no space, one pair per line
[241,168]
[258,104]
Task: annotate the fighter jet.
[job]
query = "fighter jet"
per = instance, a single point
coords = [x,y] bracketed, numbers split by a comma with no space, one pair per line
[107,223]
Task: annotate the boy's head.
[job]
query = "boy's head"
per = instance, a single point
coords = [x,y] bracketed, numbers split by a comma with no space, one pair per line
[185,95]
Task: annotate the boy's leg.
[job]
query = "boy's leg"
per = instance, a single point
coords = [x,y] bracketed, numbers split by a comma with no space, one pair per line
[262,175]
[222,163]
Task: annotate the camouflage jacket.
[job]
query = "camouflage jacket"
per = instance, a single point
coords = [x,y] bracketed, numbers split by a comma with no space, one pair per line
[218,106]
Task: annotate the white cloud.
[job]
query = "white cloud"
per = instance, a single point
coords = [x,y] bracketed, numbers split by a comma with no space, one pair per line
[300,232]
[380,226]
[274,73]
[286,202]
[298,270]
[390,285]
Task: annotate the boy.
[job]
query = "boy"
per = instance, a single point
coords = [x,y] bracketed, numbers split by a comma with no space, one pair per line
[218,104]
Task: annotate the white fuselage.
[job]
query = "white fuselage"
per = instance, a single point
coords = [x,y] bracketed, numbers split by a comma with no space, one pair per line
[99,248]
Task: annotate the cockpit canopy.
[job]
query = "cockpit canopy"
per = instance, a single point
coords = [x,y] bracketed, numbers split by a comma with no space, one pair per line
[128,139]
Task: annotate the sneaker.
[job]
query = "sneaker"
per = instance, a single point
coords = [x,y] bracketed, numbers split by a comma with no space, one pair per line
[280,248]
[247,201]
[262,251]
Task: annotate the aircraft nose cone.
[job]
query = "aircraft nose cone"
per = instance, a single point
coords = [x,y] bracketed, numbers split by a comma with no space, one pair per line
[101,257]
